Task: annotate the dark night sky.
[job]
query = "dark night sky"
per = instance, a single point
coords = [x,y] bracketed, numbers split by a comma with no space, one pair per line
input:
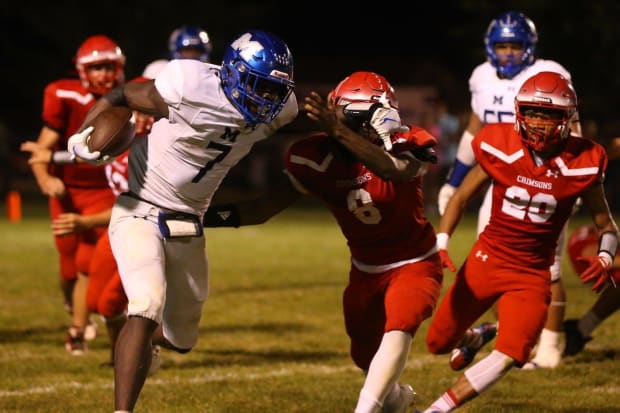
[437,42]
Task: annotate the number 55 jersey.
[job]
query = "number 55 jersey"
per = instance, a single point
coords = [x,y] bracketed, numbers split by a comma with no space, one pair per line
[533,200]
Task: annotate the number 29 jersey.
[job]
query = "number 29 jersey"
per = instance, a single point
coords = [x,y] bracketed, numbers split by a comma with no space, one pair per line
[531,203]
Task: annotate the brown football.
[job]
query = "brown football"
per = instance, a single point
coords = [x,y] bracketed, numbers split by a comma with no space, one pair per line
[114,131]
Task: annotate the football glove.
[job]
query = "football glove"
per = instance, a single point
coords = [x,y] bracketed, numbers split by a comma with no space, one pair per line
[77,145]
[598,271]
[385,120]
[446,262]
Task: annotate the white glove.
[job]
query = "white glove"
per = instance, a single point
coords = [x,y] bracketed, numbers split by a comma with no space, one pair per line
[445,193]
[385,121]
[77,146]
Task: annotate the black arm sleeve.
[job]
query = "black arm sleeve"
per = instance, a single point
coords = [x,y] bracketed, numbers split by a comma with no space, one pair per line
[222,216]
[116,96]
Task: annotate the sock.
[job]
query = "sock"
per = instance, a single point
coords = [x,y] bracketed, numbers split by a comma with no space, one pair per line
[444,404]
[367,403]
[488,370]
[588,323]
[386,367]
[549,340]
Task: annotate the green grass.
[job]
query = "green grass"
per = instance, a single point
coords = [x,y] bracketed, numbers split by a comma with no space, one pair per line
[272,336]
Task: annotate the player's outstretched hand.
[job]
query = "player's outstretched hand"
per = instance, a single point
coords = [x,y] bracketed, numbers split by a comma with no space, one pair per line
[323,112]
[597,272]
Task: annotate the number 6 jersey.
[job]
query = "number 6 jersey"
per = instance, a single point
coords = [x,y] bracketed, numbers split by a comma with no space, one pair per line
[383,221]
[532,203]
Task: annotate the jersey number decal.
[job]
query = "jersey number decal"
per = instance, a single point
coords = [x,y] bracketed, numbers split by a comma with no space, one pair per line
[491,116]
[518,203]
[224,151]
[361,205]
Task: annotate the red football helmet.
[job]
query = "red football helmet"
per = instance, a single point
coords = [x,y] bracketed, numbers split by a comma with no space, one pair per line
[98,50]
[363,87]
[544,106]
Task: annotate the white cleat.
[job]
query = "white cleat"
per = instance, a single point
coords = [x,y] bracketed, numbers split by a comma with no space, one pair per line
[547,359]
[401,404]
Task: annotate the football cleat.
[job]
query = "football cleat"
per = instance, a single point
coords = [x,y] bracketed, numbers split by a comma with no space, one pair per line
[548,358]
[401,404]
[75,343]
[575,341]
[463,356]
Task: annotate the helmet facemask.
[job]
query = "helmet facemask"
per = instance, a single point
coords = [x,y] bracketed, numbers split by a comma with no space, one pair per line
[542,128]
[544,106]
[359,94]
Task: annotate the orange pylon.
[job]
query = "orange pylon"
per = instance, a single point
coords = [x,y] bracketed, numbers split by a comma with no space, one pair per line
[14,206]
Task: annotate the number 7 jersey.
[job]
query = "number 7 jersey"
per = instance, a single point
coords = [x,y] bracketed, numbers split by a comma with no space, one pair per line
[531,203]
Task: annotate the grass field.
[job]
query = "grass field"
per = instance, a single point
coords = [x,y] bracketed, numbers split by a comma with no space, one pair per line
[272,336]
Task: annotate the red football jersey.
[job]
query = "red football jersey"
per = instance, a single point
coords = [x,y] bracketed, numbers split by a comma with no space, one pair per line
[65,105]
[532,203]
[382,221]
[117,172]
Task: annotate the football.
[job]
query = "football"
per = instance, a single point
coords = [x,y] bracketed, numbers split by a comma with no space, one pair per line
[113,131]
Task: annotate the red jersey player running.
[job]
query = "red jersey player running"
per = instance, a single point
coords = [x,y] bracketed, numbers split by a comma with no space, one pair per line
[76,188]
[370,179]
[538,171]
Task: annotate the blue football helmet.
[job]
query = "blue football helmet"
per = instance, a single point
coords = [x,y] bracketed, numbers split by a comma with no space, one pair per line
[192,38]
[257,75]
[511,27]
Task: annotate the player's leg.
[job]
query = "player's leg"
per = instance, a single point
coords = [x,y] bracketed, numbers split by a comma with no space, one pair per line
[579,332]
[522,312]
[66,245]
[466,300]
[139,251]
[364,318]
[409,299]
[87,202]
[472,382]
[549,348]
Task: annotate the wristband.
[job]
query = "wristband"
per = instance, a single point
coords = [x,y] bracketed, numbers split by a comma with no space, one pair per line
[608,243]
[442,240]
[62,158]
[458,173]
[222,216]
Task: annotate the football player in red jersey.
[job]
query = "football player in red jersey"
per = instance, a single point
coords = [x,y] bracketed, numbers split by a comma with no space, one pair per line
[368,170]
[76,188]
[538,170]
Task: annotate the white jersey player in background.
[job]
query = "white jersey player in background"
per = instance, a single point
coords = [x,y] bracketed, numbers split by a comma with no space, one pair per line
[510,43]
[210,118]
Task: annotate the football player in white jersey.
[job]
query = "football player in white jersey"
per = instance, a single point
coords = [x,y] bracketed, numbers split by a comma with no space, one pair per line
[510,42]
[209,118]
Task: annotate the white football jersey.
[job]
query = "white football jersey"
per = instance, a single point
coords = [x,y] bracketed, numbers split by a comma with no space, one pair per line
[187,155]
[492,98]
